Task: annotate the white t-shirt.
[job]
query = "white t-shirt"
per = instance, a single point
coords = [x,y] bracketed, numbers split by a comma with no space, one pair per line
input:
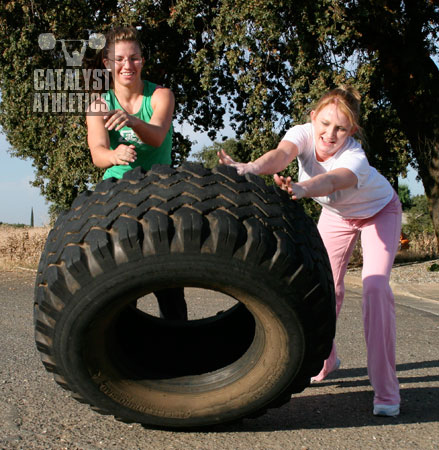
[372,191]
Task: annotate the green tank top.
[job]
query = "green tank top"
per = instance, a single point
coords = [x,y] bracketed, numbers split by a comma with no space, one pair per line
[147,155]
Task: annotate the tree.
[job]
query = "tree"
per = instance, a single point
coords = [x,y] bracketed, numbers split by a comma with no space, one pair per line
[418,218]
[264,62]
[208,154]
[402,39]
[32,217]
[274,59]
[56,141]
[404,196]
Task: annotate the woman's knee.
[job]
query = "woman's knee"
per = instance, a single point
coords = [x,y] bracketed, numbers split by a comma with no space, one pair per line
[375,285]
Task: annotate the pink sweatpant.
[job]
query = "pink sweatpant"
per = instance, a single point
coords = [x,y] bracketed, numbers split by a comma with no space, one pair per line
[379,240]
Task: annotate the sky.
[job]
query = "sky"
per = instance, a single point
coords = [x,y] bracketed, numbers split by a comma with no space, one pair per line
[18,197]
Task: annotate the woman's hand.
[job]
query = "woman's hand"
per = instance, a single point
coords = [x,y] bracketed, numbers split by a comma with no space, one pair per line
[117,119]
[282,182]
[123,155]
[294,189]
[241,168]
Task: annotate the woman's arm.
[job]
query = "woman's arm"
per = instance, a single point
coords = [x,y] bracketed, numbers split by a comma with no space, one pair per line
[154,132]
[320,185]
[269,163]
[99,141]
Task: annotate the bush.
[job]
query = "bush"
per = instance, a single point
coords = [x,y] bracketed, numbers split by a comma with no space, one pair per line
[418,218]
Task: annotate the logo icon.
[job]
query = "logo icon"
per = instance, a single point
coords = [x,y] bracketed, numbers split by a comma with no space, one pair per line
[47,41]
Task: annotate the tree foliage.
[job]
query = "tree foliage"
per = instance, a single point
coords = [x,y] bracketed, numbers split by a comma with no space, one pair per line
[208,154]
[56,143]
[262,62]
[404,196]
[275,58]
[418,217]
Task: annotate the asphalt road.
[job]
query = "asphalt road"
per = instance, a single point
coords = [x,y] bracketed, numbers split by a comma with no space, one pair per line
[35,413]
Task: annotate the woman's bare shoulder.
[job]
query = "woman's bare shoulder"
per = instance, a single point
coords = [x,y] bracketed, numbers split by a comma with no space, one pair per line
[98,106]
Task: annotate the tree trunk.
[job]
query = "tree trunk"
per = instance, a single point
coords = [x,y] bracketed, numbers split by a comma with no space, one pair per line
[411,81]
[415,94]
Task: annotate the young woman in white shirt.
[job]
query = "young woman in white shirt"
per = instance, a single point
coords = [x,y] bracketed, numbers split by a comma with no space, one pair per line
[355,199]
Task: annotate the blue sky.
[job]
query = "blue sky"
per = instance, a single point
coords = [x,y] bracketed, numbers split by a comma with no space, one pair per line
[18,197]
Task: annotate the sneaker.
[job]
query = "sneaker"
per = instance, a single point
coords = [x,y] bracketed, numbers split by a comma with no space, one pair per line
[386,410]
[336,366]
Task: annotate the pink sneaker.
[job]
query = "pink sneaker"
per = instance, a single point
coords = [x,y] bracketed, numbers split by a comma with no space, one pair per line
[336,366]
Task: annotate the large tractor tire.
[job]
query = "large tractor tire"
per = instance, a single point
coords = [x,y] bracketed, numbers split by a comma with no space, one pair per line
[190,228]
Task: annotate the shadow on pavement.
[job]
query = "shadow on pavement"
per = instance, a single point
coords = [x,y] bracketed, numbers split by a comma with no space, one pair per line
[340,409]
[344,374]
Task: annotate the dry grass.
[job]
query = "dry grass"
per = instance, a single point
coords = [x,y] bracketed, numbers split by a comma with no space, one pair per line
[21,246]
[422,248]
[424,245]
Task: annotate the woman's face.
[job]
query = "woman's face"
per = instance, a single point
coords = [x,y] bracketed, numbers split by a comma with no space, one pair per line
[125,61]
[331,129]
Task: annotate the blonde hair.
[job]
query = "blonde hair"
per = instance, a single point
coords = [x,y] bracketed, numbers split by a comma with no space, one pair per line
[348,99]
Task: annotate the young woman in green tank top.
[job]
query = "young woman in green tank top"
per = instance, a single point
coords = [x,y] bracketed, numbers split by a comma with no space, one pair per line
[131,126]
[147,154]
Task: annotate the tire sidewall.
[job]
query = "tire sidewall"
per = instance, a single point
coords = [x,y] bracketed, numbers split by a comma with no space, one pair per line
[283,347]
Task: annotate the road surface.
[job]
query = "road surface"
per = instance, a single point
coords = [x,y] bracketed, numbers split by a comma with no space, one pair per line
[35,413]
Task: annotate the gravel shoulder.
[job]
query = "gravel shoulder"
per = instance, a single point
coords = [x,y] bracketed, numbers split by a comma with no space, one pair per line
[407,280]
[410,272]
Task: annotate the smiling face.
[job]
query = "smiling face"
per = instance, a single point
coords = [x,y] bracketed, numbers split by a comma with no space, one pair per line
[125,61]
[331,129]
